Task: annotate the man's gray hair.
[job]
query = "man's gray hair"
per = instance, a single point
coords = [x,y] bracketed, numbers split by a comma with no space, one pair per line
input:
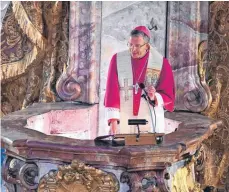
[136,33]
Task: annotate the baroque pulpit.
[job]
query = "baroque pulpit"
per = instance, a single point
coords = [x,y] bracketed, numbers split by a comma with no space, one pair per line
[39,161]
[55,57]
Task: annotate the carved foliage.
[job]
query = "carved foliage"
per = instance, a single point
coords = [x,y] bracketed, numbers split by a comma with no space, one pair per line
[199,164]
[78,177]
[217,162]
[24,61]
[14,45]
[218,68]
[184,180]
[56,16]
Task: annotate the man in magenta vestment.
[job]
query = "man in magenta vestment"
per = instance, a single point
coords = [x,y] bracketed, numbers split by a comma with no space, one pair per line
[140,65]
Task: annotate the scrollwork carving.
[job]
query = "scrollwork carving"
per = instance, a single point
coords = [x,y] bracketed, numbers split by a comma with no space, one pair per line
[17,172]
[144,180]
[80,79]
[27,176]
[78,177]
[200,98]
[10,169]
[195,100]
[68,88]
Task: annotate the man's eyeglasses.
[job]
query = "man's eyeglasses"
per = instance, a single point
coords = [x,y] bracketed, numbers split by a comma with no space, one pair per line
[131,46]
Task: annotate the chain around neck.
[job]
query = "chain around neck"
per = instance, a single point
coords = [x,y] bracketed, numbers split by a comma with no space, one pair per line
[141,71]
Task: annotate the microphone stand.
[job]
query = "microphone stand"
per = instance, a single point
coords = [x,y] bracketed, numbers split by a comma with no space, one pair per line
[148,101]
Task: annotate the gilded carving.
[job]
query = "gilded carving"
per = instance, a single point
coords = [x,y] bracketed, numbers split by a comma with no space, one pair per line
[183,180]
[202,64]
[12,95]
[78,177]
[52,12]
[216,147]
[16,51]
[213,107]
[27,16]
[27,27]
[199,164]
[34,10]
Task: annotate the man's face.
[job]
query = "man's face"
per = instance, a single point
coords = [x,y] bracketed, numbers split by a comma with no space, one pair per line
[137,46]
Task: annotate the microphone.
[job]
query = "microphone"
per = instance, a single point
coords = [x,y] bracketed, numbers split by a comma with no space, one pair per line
[137,121]
[142,86]
[149,102]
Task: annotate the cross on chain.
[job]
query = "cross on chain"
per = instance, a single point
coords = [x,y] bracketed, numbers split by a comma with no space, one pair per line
[136,86]
[126,88]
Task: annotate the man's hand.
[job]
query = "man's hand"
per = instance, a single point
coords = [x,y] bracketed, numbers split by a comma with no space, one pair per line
[151,92]
[114,127]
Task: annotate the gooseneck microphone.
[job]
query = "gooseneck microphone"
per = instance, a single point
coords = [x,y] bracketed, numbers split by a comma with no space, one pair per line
[149,102]
[142,86]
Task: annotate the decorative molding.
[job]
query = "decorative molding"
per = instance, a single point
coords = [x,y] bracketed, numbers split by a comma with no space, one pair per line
[195,100]
[10,168]
[78,177]
[27,174]
[144,180]
[80,80]
[18,172]
[191,95]
[68,88]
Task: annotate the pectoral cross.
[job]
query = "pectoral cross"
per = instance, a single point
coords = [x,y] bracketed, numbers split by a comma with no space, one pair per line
[136,86]
[126,88]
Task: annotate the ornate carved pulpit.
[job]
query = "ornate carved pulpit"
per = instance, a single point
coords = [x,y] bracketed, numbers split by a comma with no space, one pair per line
[38,161]
[42,153]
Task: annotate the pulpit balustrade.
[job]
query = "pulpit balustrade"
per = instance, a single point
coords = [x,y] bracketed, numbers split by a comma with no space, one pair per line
[37,161]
